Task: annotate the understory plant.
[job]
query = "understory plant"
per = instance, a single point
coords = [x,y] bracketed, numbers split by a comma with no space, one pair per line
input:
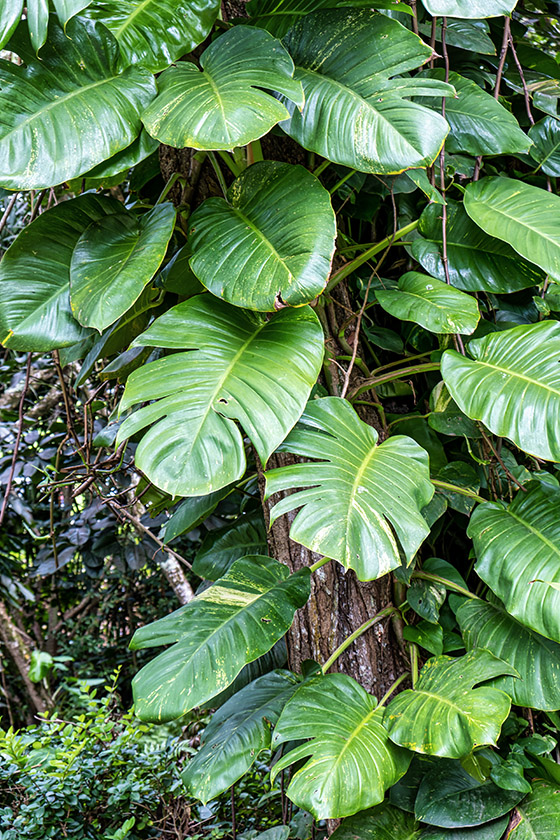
[297,265]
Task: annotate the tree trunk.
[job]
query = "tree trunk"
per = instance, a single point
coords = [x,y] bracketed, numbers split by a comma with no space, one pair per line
[20,652]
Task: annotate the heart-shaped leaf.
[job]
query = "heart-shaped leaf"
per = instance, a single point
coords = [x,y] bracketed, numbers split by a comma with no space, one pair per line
[444,714]
[536,659]
[35,312]
[363,500]
[113,261]
[470,8]
[270,243]
[518,547]
[155,33]
[434,305]
[476,262]
[351,760]
[354,113]
[512,385]
[526,217]
[232,623]
[244,368]
[236,734]
[57,122]
[384,822]
[224,104]
[223,546]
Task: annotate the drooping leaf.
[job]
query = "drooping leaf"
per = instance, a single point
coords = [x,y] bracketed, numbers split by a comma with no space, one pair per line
[224,104]
[155,33]
[451,798]
[191,512]
[245,368]
[480,125]
[434,305]
[517,544]
[270,243]
[231,623]
[351,760]
[114,260]
[63,114]
[384,822]
[277,16]
[525,216]
[539,813]
[354,114]
[223,546]
[536,659]
[546,145]
[66,9]
[363,502]
[469,8]
[476,261]
[37,22]
[445,714]
[10,16]
[35,312]
[512,385]
[236,734]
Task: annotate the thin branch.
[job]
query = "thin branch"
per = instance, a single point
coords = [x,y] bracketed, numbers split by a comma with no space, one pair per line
[7,211]
[18,439]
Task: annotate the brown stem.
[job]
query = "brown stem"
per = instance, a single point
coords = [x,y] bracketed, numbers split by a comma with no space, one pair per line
[7,211]
[18,439]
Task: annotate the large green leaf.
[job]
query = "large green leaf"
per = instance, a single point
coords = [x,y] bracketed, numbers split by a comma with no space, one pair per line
[518,546]
[546,145]
[244,368]
[444,714]
[155,33]
[270,243]
[351,760]
[450,798]
[228,625]
[224,104]
[512,385]
[114,260]
[139,150]
[221,547]
[539,813]
[354,113]
[536,659]
[277,16]
[476,262]
[236,735]
[525,216]
[479,124]
[493,830]
[384,822]
[431,303]
[62,115]
[363,502]
[470,8]
[35,309]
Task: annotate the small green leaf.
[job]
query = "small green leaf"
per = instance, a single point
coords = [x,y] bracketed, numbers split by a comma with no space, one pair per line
[384,822]
[223,546]
[432,304]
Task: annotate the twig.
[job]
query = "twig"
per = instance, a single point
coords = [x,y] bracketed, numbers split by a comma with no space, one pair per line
[498,457]
[7,211]
[36,206]
[523,82]
[18,439]
[499,74]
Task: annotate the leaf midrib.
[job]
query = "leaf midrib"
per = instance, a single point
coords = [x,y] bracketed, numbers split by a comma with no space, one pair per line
[265,241]
[128,20]
[536,383]
[499,211]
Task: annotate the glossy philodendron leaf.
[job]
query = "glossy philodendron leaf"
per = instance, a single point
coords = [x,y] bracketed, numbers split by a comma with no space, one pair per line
[155,33]
[231,623]
[238,367]
[363,500]
[65,113]
[525,216]
[434,305]
[476,262]
[270,242]
[37,22]
[236,734]
[512,385]
[224,104]
[354,113]
[539,815]
[10,16]
[450,797]
[518,547]
[35,313]
[37,17]
[445,714]
[384,822]
[470,8]
[277,16]
[66,9]
[351,760]
[479,124]
[139,150]
[223,546]
[536,659]
[114,260]
[546,145]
